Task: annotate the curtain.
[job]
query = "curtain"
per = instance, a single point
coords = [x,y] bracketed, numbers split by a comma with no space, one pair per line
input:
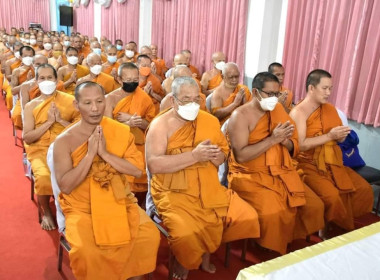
[21,12]
[84,19]
[342,37]
[203,27]
[121,21]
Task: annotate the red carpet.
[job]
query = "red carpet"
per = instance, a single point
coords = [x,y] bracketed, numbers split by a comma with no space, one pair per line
[27,252]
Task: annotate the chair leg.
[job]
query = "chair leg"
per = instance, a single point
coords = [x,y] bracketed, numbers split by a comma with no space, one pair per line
[244,250]
[227,254]
[171,265]
[60,254]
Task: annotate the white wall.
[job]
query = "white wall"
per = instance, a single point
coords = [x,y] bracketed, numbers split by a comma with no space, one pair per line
[145,26]
[97,20]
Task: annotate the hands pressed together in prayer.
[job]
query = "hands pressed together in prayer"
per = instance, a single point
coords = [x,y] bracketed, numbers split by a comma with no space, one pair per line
[97,143]
[282,133]
[283,97]
[53,114]
[205,151]
[148,88]
[339,133]
[73,77]
[240,97]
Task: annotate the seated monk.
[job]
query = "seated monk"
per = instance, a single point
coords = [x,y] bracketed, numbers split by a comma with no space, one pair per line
[48,46]
[58,59]
[286,99]
[149,81]
[179,59]
[145,50]
[345,193]
[110,67]
[184,148]
[230,94]
[94,63]
[21,74]
[194,70]
[95,160]
[44,118]
[130,53]
[95,48]
[13,62]
[132,106]
[212,78]
[71,72]
[82,50]
[263,140]
[182,71]
[119,46]
[160,63]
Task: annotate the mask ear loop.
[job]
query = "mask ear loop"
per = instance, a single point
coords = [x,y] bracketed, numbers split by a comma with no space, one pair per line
[258,94]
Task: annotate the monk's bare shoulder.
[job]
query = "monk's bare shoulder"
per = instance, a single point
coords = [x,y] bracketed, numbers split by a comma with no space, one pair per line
[33,103]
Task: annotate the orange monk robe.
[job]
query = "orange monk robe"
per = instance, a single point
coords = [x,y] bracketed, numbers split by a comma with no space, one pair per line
[289,99]
[81,72]
[45,53]
[8,88]
[110,236]
[161,67]
[120,54]
[287,208]
[198,212]
[84,51]
[140,103]
[157,88]
[345,194]
[231,99]
[107,82]
[109,69]
[195,70]
[215,81]
[37,151]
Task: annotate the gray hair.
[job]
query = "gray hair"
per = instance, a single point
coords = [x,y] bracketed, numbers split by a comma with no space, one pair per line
[182,81]
[227,65]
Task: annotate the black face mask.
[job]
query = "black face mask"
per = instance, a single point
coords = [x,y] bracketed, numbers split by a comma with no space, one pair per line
[130,87]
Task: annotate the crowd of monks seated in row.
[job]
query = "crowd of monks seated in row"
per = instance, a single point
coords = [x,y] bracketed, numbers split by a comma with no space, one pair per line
[116,116]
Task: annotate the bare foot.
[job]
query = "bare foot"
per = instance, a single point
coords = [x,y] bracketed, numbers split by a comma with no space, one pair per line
[179,271]
[47,222]
[206,265]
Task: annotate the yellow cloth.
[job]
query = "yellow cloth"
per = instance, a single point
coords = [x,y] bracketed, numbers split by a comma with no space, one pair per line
[195,70]
[109,69]
[160,67]
[157,88]
[215,81]
[345,194]
[81,72]
[198,212]
[110,236]
[37,151]
[271,184]
[107,82]
[141,104]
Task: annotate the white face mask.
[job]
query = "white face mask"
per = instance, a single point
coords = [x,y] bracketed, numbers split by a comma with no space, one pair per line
[96,69]
[220,65]
[73,60]
[66,43]
[189,111]
[119,47]
[47,87]
[112,58]
[48,46]
[97,51]
[27,60]
[33,42]
[129,54]
[17,55]
[27,41]
[269,103]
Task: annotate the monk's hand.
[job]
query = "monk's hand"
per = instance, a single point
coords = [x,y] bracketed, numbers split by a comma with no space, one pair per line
[113,73]
[123,117]
[102,150]
[57,115]
[282,132]
[93,143]
[148,88]
[153,68]
[283,97]
[135,121]
[73,77]
[205,151]
[51,113]
[80,59]
[239,97]
[194,75]
[339,133]
[59,61]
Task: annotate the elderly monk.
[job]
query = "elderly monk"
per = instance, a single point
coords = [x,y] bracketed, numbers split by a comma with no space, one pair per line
[44,118]
[132,106]
[95,161]
[110,67]
[48,46]
[82,51]
[194,70]
[95,65]
[160,63]
[130,53]
[71,72]
[95,48]
[345,194]
[57,59]
[263,140]
[182,71]
[145,50]
[149,81]
[230,94]
[183,150]
[212,78]
[119,46]
[286,99]
[179,59]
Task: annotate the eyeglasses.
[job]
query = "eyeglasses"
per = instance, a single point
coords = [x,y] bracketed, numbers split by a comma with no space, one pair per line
[271,94]
[185,102]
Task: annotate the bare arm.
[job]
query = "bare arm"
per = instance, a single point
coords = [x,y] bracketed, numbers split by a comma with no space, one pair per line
[14,78]
[204,83]
[217,102]
[109,106]
[24,94]
[8,70]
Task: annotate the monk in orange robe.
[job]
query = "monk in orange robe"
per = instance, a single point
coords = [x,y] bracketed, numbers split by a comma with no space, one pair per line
[14,61]
[83,51]
[131,53]
[179,59]
[345,194]
[95,161]
[120,49]
[286,99]
[182,71]
[44,118]
[160,63]
[132,106]
[96,49]
[57,59]
[48,47]
[149,81]
[184,150]
[230,94]
[155,68]
[71,72]
[212,78]
[94,63]
[194,70]
[261,171]
[110,67]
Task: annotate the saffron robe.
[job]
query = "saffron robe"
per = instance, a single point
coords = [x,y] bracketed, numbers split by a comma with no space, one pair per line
[157,88]
[81,72]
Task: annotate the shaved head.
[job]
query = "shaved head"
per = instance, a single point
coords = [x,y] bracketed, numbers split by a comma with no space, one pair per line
[217,57]
[179,59]
[182,71]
